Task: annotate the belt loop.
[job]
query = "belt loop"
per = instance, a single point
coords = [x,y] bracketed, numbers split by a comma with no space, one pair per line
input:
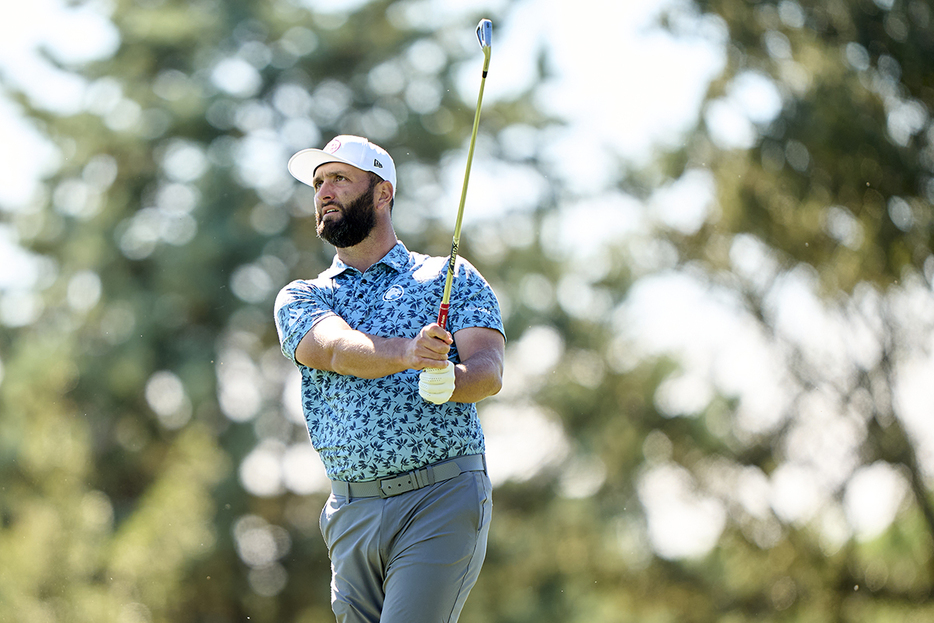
[431,475]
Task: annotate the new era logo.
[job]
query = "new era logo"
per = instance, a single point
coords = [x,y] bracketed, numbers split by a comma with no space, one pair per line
[377,164]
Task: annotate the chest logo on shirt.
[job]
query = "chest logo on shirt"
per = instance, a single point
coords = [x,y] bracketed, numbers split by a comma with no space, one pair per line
[394,293]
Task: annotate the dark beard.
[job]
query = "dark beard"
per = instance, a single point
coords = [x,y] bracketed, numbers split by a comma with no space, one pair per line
[356,222]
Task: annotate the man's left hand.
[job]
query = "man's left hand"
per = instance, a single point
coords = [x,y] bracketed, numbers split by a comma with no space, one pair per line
[436,384]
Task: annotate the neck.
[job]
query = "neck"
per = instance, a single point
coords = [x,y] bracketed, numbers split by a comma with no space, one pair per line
[371,250]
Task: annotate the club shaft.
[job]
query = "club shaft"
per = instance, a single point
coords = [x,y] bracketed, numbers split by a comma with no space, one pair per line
[449,280]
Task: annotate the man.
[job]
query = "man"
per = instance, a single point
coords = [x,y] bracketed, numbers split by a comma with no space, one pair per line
[388,396]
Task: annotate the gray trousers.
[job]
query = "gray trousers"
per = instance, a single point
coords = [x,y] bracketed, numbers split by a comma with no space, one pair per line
[412,558]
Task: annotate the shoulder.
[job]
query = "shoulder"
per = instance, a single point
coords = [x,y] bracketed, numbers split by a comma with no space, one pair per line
[302,289]
[468,274]
[422,262]
[464,265]
[424,268]
[298,286]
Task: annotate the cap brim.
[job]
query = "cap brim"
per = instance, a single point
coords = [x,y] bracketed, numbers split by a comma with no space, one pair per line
[302,165]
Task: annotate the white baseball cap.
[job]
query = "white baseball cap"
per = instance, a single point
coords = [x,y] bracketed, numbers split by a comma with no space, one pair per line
[353,150]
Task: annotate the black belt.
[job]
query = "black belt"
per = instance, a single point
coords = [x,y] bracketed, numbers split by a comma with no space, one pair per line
[410,481]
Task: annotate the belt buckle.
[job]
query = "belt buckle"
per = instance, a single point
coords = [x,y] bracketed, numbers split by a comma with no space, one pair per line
[403,483]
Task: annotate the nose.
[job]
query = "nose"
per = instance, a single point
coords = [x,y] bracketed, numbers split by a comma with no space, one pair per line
[324,192]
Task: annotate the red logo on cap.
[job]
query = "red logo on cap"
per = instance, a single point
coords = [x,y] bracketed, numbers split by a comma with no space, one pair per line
[333,146]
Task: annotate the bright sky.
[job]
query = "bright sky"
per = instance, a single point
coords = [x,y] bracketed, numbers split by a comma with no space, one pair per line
[625,88]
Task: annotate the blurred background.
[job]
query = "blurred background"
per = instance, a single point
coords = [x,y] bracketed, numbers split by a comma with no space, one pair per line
[708,222]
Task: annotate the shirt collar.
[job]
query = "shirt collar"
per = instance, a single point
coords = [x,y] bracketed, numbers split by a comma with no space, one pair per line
[397,259]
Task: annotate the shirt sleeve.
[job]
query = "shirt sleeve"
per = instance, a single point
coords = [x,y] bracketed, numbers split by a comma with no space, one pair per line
[473,302]
[299,306]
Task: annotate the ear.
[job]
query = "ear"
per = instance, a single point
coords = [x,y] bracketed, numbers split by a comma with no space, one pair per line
[383,193]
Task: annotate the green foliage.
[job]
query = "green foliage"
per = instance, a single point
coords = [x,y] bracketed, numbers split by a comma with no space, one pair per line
[149,374]
[166,233]
[835,186]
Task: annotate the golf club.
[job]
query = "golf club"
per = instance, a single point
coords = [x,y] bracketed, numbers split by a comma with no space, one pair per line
[485,37]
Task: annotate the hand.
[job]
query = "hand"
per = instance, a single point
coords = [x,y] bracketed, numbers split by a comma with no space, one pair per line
[428,349]
[436,385]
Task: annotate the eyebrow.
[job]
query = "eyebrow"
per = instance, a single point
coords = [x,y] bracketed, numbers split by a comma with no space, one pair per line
[344,171]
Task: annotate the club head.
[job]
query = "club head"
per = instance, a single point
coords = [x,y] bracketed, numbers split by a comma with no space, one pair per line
[485,33]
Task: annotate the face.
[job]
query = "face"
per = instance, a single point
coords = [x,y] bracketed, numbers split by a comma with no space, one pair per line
[345,211]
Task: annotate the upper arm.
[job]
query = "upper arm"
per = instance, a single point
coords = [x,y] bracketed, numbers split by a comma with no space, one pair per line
[315,350]
[482,341]
[300,307]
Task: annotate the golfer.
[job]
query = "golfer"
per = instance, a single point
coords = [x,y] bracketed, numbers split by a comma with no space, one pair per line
[388,396]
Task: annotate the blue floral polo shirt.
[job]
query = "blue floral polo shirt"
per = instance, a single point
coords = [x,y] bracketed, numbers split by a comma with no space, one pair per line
[370,428]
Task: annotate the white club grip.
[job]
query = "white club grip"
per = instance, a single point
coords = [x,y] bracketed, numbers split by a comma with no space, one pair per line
[436,385]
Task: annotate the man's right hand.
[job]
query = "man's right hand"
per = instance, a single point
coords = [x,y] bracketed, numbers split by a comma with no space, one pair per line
[429,349]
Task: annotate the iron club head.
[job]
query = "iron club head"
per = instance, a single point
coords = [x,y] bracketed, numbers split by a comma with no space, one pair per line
[485,33]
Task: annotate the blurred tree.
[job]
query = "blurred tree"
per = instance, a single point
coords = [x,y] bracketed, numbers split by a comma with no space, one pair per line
[150,469]
[816,243]
[152,464]
[786,476]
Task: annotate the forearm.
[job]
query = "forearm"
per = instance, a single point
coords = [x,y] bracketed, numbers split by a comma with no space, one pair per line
[333,346]
[479,377]
[366,356]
